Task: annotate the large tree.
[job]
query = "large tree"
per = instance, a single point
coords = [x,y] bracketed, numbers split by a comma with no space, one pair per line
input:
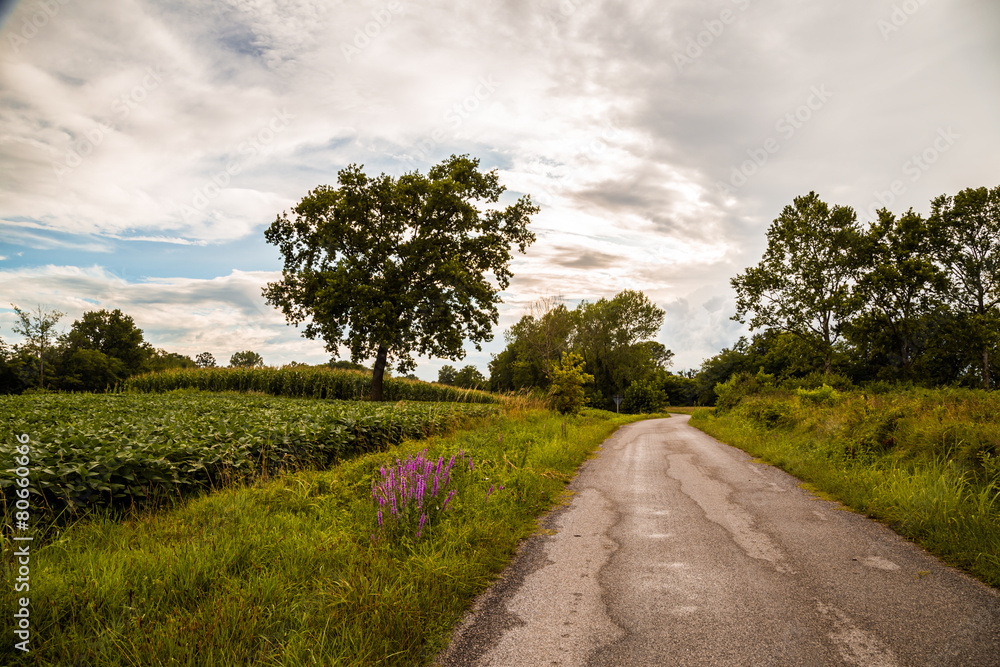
[614,337]
[967,233]
[803,284]
[390,267]
[112,333]
[898,289]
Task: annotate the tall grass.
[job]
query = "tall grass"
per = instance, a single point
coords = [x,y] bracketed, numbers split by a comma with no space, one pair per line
[926,462]
[324,383]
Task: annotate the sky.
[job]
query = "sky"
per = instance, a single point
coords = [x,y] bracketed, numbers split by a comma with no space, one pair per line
[146,146]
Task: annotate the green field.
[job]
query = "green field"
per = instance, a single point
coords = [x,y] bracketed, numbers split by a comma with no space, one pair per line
[95,450]
[289,567]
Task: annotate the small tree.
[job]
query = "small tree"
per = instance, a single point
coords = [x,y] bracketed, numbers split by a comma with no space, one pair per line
[568,379]
[38,330]
[643,398]
[469,378]
[205,360]
[246,359]
[446,374]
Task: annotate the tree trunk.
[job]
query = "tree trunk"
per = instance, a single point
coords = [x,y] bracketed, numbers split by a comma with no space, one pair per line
[987,380]
[378,373]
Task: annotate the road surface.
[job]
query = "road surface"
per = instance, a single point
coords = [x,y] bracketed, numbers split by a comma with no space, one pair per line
[679,550]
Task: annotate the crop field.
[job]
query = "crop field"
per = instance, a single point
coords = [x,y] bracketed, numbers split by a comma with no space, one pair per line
[295,382]
[122,449]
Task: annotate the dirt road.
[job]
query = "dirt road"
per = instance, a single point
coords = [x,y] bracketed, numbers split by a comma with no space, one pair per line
[679,550]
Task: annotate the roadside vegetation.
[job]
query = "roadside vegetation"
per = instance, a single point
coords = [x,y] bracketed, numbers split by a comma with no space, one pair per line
[295,568]
[926,462]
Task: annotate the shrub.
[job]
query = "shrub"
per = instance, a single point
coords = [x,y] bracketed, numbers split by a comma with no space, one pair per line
[643,397]
[825,395]
[739,386]
[568,379]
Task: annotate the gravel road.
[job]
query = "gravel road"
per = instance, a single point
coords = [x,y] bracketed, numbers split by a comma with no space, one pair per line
[679,550]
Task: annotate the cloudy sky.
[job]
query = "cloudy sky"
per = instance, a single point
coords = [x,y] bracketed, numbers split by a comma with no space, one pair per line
[145,146]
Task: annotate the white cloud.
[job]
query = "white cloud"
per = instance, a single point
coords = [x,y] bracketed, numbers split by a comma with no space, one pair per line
[194,124]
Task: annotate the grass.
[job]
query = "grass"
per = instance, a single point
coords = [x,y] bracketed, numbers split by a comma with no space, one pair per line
[924,462]
[292,570]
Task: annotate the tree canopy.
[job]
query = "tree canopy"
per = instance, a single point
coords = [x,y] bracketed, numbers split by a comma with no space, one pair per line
[246,359]
[392,267]
[803,283]
[613,338]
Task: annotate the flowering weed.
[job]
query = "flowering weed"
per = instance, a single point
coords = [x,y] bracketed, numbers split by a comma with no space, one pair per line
[416,492]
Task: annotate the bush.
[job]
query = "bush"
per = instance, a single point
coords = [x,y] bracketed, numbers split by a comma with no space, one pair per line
[739,386]
[825,395]
[817,379]
[643,398]
[568,379]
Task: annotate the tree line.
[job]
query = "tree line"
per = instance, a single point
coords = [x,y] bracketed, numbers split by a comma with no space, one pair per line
[903,299]
[615,343]
[100,350]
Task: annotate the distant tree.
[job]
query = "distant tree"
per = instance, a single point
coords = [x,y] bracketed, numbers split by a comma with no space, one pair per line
[393,267]
[614,335]
[803,283]
[566,391]
[9,380]
[343,364]
[470,378]
[643,397]
[205,360]
[541,337]
[161,360]
[246,359]
[86,369]
[112,333]
[966,228]
[38,331]
[446,374]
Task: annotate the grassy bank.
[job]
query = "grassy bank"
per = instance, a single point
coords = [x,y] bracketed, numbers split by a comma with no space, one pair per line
[925,462]
[296,570]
